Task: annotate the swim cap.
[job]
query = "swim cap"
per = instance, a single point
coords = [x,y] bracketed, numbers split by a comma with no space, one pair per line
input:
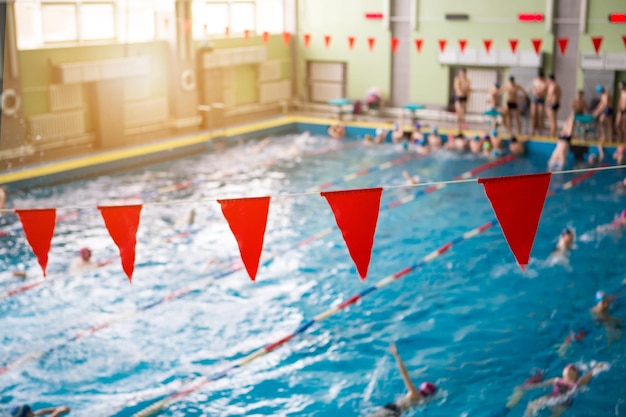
[405,145]
[600,295]
[622,215]
[368,138]
[593,158]
[476,138]
[486,136]
[494,133]
[513,139]
[417,125]
[570,366]
[599,89]
[434,129]
[486,146]
[496,84]
[85,253]
[20,410]
[427,389]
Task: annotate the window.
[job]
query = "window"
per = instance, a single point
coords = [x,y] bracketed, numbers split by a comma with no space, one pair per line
[136,20]
[97,21]
[59,22]
[212,17]
[270,16]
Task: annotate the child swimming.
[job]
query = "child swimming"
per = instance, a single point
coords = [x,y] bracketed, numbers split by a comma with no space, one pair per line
[600,312]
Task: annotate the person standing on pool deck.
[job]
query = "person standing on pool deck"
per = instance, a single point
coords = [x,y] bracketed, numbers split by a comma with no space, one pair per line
[620,118]
[462,91]
[539,91]
[412,398]
[604,113]
[512,91]
[579,105]
[559,155]
[553,100]
[26,411]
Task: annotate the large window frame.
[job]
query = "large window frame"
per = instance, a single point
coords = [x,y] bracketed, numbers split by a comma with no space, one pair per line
[204,28]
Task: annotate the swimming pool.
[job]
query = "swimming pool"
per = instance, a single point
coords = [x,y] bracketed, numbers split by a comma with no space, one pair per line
[469,321]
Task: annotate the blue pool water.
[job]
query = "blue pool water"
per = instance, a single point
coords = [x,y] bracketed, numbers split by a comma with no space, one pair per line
[469,321]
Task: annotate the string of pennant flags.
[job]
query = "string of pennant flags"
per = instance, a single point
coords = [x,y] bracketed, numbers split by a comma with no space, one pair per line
[517,202]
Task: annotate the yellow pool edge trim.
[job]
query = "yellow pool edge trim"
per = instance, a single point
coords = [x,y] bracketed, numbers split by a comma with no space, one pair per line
[102,157]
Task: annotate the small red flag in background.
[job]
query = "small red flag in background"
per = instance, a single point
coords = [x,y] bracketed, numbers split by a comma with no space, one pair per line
[247,219]
[38,225]
[462,44]
[370,42]
[513,43]
[286,38]
[442,45]
[356,213]
[536,45]
[418,44]
[351,40]
[624,40]
[227,32]
[518,202]
[326,41]
[562,42]
[307,39]
[122,223]
[394,44]
[266,37]
[246,35]
[487,43]
[597,43]
[186,25]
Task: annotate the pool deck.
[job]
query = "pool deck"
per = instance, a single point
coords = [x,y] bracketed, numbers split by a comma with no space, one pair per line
[99,162]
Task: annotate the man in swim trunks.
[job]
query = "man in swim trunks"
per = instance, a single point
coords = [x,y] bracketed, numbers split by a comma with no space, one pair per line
[512,91]
[537,106]
[559,155]
[604,113]
[579,105]
[563,390]
[337,131]
[553,101]
[26,411]
[462,91]
[620,119]
[412,398]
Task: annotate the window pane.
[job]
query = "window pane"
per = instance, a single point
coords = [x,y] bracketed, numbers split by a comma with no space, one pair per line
[97,21]
[210,19]
[269,16]
[139,23]
[241,17]
[58,22]
[27,18]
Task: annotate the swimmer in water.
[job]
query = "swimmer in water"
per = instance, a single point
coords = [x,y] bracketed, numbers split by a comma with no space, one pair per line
[562,391]
[558,158]
[566,241]
[411,180]
[26,411]
[412,398]
[381,135]
[337,131]
[83,262]
[516,147]
[434,140]
[600,312]
[476,145]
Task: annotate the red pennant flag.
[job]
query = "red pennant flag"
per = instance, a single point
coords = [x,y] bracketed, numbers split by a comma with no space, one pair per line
[122,223]
[370,42]
[266,37]
[205,26]
[246,35]
[597,43]
[513,43]
[307,39]
[418,45]
[624,40]
[462,44]
[487,43]
[536,45]
[38,227]
[247,218]
[227,32]
[562,42]
[394,44]
[356,213]
[518,202]
[327,40]
[442,45]
[286,38]
[351,40]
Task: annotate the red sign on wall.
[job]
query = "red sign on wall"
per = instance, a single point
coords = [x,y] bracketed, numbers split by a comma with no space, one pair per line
[374,16]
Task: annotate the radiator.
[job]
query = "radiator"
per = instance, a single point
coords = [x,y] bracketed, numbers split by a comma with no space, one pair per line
[65,97]
[145,112]
[275,91]
[57,125]
[269,71]
[323,92]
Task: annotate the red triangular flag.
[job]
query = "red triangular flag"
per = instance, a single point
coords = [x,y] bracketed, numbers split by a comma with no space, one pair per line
[370,42]
[247,218]
[562,42]
[246,35]
[487,43]
[38,227]
[536,45]
[462,44]
[122,223]
[597,43]
[307,39]
[518,202]
[442,45]
[286,38]
[351,40]
[327,40]
[356,213]
[227,32]
[266,37]
[394,44]
[418,45]
[513,43]
[624,40]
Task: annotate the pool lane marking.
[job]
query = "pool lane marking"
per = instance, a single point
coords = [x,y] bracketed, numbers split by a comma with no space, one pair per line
[209,280]
[204,380]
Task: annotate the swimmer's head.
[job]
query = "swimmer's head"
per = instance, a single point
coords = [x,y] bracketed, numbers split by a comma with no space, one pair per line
[567,232]
[599,89]
[21,411]
[622,215]
[487,145]
[570,372]
[85,253]
[476,138]
[496,84]
[512,78]
[494,133]
[514,139]
[405,145]
[581,93]
[600,296]
[593,158]
[486,136]
[417,126]
[435,130]
[369,138]
[427,389]
[540,73]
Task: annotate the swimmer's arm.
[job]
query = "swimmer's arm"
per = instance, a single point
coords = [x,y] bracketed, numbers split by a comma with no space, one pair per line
[586,379]
[403,372]
[545,383]
[53,411]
